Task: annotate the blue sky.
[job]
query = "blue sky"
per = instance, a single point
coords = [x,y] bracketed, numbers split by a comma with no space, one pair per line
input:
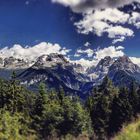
[30,22]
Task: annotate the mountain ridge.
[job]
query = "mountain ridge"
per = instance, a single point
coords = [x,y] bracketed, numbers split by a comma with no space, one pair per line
[56,71]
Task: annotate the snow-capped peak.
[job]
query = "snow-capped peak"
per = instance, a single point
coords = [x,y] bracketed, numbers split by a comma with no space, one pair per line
[50,60]
[124,63]
[97,73]
[13,63]
[102,66]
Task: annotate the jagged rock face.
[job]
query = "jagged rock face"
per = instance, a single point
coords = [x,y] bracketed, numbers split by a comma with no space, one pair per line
[123,71]
[78,68]
[124,63]
[13,63]
[8,65]
[52,60]
[98,73]
[104,64]
[56,72]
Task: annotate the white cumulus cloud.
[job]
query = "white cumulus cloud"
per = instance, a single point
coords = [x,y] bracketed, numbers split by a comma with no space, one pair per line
[87,44]
[110,21]
[33,52]
[85,62]
[111,51]
[135,19]
[135,60]
[121,39]
[89,52]
[99,54]
[119,31]
[86,5]
[120,48]
[104,16]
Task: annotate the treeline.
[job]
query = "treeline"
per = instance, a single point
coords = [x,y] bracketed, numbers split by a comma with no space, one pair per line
[25,115]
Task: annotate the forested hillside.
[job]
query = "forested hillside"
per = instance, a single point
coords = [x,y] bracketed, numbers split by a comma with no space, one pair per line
[25,115]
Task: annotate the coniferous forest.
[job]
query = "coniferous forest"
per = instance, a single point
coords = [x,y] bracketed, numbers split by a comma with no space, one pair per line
[47,115]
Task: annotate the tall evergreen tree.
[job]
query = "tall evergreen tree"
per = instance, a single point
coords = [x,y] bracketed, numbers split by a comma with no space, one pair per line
[39,109]
[61,95]
[138,93]
[134,98]
[121,111]
[16,95]
[3,93]
[100,113]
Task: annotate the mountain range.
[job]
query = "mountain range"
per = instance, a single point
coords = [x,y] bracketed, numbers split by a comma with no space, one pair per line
[57,72]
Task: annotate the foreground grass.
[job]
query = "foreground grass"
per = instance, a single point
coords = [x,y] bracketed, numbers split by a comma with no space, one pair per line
[130,132]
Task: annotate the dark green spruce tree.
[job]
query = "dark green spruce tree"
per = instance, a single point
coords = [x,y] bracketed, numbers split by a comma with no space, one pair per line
[15,96]
[134,98]
[121,111]
[101,111]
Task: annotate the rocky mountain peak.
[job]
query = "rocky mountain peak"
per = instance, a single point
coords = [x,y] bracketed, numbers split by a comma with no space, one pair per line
[13,63]
[50,60]
[102,66]
[97,73]
[78,68]
[104,63]
[124,59]
[123,71]
[124,63]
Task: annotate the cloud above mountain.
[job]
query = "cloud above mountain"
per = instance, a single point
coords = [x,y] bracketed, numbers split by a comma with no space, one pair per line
[93,56]
[33,52]
[112,51]
[99,54]
[89,52]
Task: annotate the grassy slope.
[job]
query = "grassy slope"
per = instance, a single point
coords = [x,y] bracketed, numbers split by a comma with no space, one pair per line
[130,132]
